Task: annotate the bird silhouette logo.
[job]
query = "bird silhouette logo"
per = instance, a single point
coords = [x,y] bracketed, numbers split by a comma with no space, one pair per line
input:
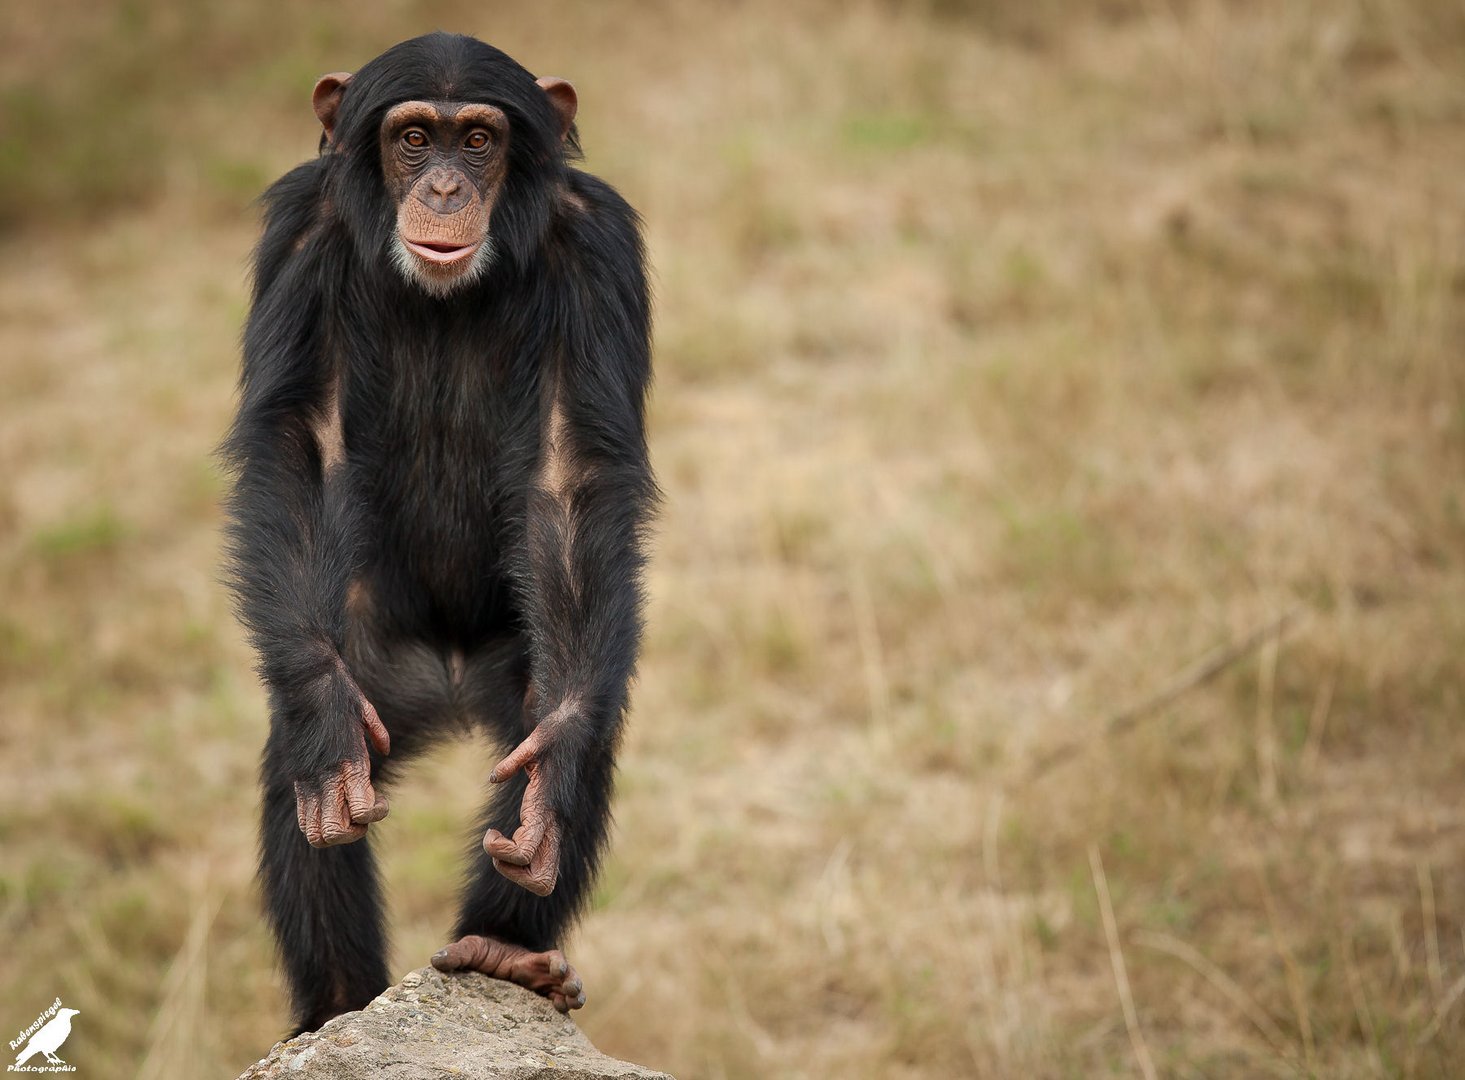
[46,1041]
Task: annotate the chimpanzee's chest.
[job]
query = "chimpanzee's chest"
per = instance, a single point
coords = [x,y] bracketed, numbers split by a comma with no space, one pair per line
[449,441]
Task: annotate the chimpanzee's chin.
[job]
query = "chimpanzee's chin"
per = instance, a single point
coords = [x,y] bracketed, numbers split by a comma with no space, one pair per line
[437,276]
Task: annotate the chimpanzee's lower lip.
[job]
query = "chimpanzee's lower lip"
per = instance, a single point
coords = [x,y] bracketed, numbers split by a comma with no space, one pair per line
[439,255]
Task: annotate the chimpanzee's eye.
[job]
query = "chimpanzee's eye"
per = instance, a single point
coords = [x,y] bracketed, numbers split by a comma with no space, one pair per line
[415,138]
[477,140]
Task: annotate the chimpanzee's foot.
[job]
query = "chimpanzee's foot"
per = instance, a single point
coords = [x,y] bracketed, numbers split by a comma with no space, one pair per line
[548,974]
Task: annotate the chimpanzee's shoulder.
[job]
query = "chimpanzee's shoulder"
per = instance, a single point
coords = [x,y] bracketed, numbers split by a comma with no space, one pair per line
[292,212]
[594,210]
[299,190]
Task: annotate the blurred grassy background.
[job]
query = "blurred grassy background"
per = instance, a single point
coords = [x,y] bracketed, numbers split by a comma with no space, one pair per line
[1011,355]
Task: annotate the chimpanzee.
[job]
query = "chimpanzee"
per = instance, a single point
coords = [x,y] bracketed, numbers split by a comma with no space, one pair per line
[441,493]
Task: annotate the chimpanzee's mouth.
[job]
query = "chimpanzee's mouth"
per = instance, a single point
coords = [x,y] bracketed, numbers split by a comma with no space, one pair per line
[437,252]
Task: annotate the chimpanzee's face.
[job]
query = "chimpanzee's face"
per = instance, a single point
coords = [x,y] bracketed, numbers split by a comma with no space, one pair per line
[444,165]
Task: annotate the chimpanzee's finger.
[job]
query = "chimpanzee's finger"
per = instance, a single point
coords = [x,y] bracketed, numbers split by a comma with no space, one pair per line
[522,755]
[307,813]
[520,850]
[376,731]
[525,878]
[349,836]
[363,804]
[312,825]
[543,871]
[335,818]
[301,800]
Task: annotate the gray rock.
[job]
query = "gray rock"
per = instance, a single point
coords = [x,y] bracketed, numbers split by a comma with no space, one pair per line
[431,1026]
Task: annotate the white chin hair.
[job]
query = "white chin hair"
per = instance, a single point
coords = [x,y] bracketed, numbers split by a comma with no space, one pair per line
[437,280]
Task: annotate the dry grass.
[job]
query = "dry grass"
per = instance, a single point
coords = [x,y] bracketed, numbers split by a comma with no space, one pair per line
[1011,357]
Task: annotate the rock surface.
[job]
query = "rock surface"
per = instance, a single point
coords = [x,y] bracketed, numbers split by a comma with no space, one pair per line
[431,1026]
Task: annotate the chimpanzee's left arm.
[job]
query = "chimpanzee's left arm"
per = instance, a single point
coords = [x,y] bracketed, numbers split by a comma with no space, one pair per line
[579,574]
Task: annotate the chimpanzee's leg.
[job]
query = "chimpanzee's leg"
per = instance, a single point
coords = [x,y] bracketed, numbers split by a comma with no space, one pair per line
[324,905]
[504,930]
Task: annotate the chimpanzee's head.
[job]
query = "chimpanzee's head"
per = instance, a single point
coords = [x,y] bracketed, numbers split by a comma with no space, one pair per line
[443,155]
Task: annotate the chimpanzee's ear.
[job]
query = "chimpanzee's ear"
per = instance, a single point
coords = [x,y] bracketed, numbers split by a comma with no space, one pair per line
[562,97]
[327,99]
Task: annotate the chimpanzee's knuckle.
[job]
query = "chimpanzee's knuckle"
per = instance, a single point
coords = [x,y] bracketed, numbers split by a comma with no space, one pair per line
[367,811]
[337,834]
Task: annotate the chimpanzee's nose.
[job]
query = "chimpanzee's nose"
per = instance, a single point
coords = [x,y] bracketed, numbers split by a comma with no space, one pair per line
[444,191]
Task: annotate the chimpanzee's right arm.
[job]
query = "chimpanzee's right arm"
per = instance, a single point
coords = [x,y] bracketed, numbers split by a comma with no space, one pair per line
[291,525]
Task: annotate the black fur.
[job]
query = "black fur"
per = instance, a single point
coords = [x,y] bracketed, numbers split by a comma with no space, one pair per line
[466,597]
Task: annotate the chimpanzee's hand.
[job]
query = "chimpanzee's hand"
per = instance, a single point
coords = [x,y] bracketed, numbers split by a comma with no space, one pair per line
[531,858]
[334,805]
